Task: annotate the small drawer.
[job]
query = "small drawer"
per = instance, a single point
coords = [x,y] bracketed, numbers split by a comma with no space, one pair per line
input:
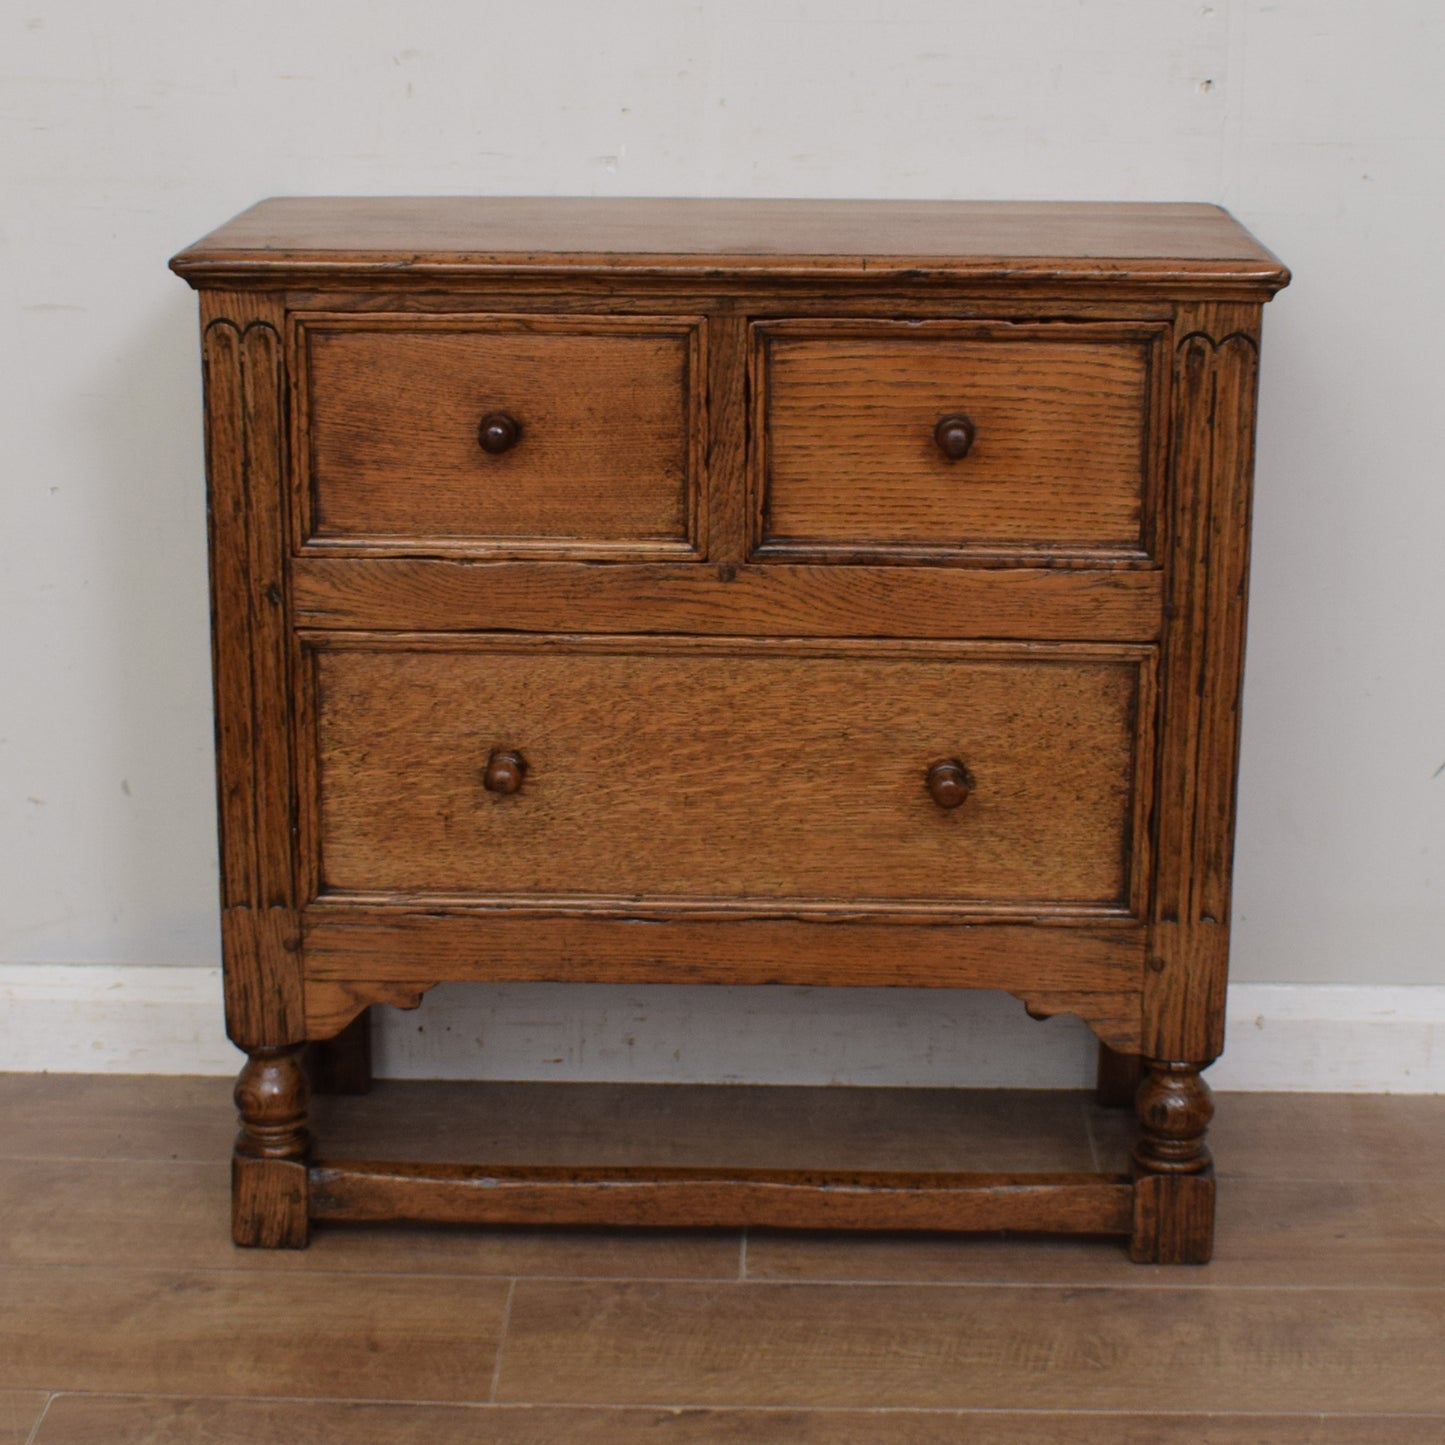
[1027,442]
[530,436]
[847,778]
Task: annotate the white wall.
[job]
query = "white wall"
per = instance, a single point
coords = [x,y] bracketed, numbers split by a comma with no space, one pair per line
[126,130]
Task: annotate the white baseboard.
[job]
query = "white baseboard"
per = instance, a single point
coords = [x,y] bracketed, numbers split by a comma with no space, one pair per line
[147,1020]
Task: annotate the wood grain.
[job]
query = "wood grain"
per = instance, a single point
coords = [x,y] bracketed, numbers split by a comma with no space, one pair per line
[607,462]
[232,1333]
[741,1126]
[839,1345]
[20,1412]
[711,1198]
[246,464]
[778,599]
[1272,1234]
[1202,678]
[358,955]
[849,465]
[109,1420]
[1174,246]
[707,801]
[99,1116]
[126,1214]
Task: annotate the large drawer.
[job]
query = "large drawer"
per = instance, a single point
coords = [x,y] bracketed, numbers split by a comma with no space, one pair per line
[738,774]
[592,447]
[923,441]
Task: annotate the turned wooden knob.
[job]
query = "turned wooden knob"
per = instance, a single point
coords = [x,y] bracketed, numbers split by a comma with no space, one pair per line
[948,783]
[505,771]
[954,435]
[498,432]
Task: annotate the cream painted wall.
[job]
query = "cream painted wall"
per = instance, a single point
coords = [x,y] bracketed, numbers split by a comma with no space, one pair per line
[127,129]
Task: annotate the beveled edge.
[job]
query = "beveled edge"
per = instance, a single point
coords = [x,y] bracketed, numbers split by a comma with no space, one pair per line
[216,260]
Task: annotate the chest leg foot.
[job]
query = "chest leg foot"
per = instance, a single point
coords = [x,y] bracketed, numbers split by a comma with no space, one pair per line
[269,1188]
[1173,1170]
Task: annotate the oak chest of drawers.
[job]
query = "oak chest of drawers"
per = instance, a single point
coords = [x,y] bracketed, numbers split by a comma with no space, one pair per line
[737,592]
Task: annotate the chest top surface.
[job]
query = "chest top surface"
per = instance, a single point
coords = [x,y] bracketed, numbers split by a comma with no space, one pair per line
[1167,245]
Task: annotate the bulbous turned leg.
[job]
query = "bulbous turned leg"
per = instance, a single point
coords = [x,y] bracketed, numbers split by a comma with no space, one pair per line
[1173,1171]
[269,1197]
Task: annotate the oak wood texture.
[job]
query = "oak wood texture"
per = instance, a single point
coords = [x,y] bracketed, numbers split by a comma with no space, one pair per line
[599,587]
[606,459]
[773,773]
[776,599]
[110,1420]
[336,239]
[1216,377]
[1062,462]
[710,1198]
[246,469]
[364,955]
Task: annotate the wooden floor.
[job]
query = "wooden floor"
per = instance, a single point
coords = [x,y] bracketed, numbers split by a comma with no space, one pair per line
[126,1316]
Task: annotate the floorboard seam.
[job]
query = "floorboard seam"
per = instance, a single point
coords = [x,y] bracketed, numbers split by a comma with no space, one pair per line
[718,1280]
[34,1434]
[1046,1412]
[502,1342]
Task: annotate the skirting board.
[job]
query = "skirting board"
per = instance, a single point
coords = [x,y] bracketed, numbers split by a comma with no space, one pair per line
[150,1020]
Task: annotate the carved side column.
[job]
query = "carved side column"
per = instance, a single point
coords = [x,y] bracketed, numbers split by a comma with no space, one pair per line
[243,358]
[269,1196]
[1206,554]
[1201,676]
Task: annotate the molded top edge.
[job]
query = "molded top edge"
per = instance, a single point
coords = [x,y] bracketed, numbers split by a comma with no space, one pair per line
[1026,241]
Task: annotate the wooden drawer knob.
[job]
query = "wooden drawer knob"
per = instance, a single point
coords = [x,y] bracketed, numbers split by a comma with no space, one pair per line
[948,783]
[954,435]
[498,432]
[505,771]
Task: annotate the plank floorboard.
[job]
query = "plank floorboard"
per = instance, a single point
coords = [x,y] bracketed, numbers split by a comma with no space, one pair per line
[974,1346]
[1269,1234]
[98,1420]
[19,1413]
[1336,1137]
[110,1116]
[1322,1313]
[124,1214]
[223,1333]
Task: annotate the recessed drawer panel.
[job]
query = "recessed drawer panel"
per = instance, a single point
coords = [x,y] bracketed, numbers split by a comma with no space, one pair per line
[939,776]
[514,435]
[930,441]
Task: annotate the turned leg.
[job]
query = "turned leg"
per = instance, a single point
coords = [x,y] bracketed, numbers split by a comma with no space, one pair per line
[1117,1080]
[1173,1172]
[268,1168]
[342,1065]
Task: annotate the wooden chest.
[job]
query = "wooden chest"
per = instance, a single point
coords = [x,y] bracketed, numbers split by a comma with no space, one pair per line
[733,592]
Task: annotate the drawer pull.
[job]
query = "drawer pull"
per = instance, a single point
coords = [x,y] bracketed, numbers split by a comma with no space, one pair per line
[954,435]
[505,771]
[497,432]
[948,783]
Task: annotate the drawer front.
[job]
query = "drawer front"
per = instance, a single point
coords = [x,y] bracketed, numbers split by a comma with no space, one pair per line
[860,425]
[781,774]
[604,460]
